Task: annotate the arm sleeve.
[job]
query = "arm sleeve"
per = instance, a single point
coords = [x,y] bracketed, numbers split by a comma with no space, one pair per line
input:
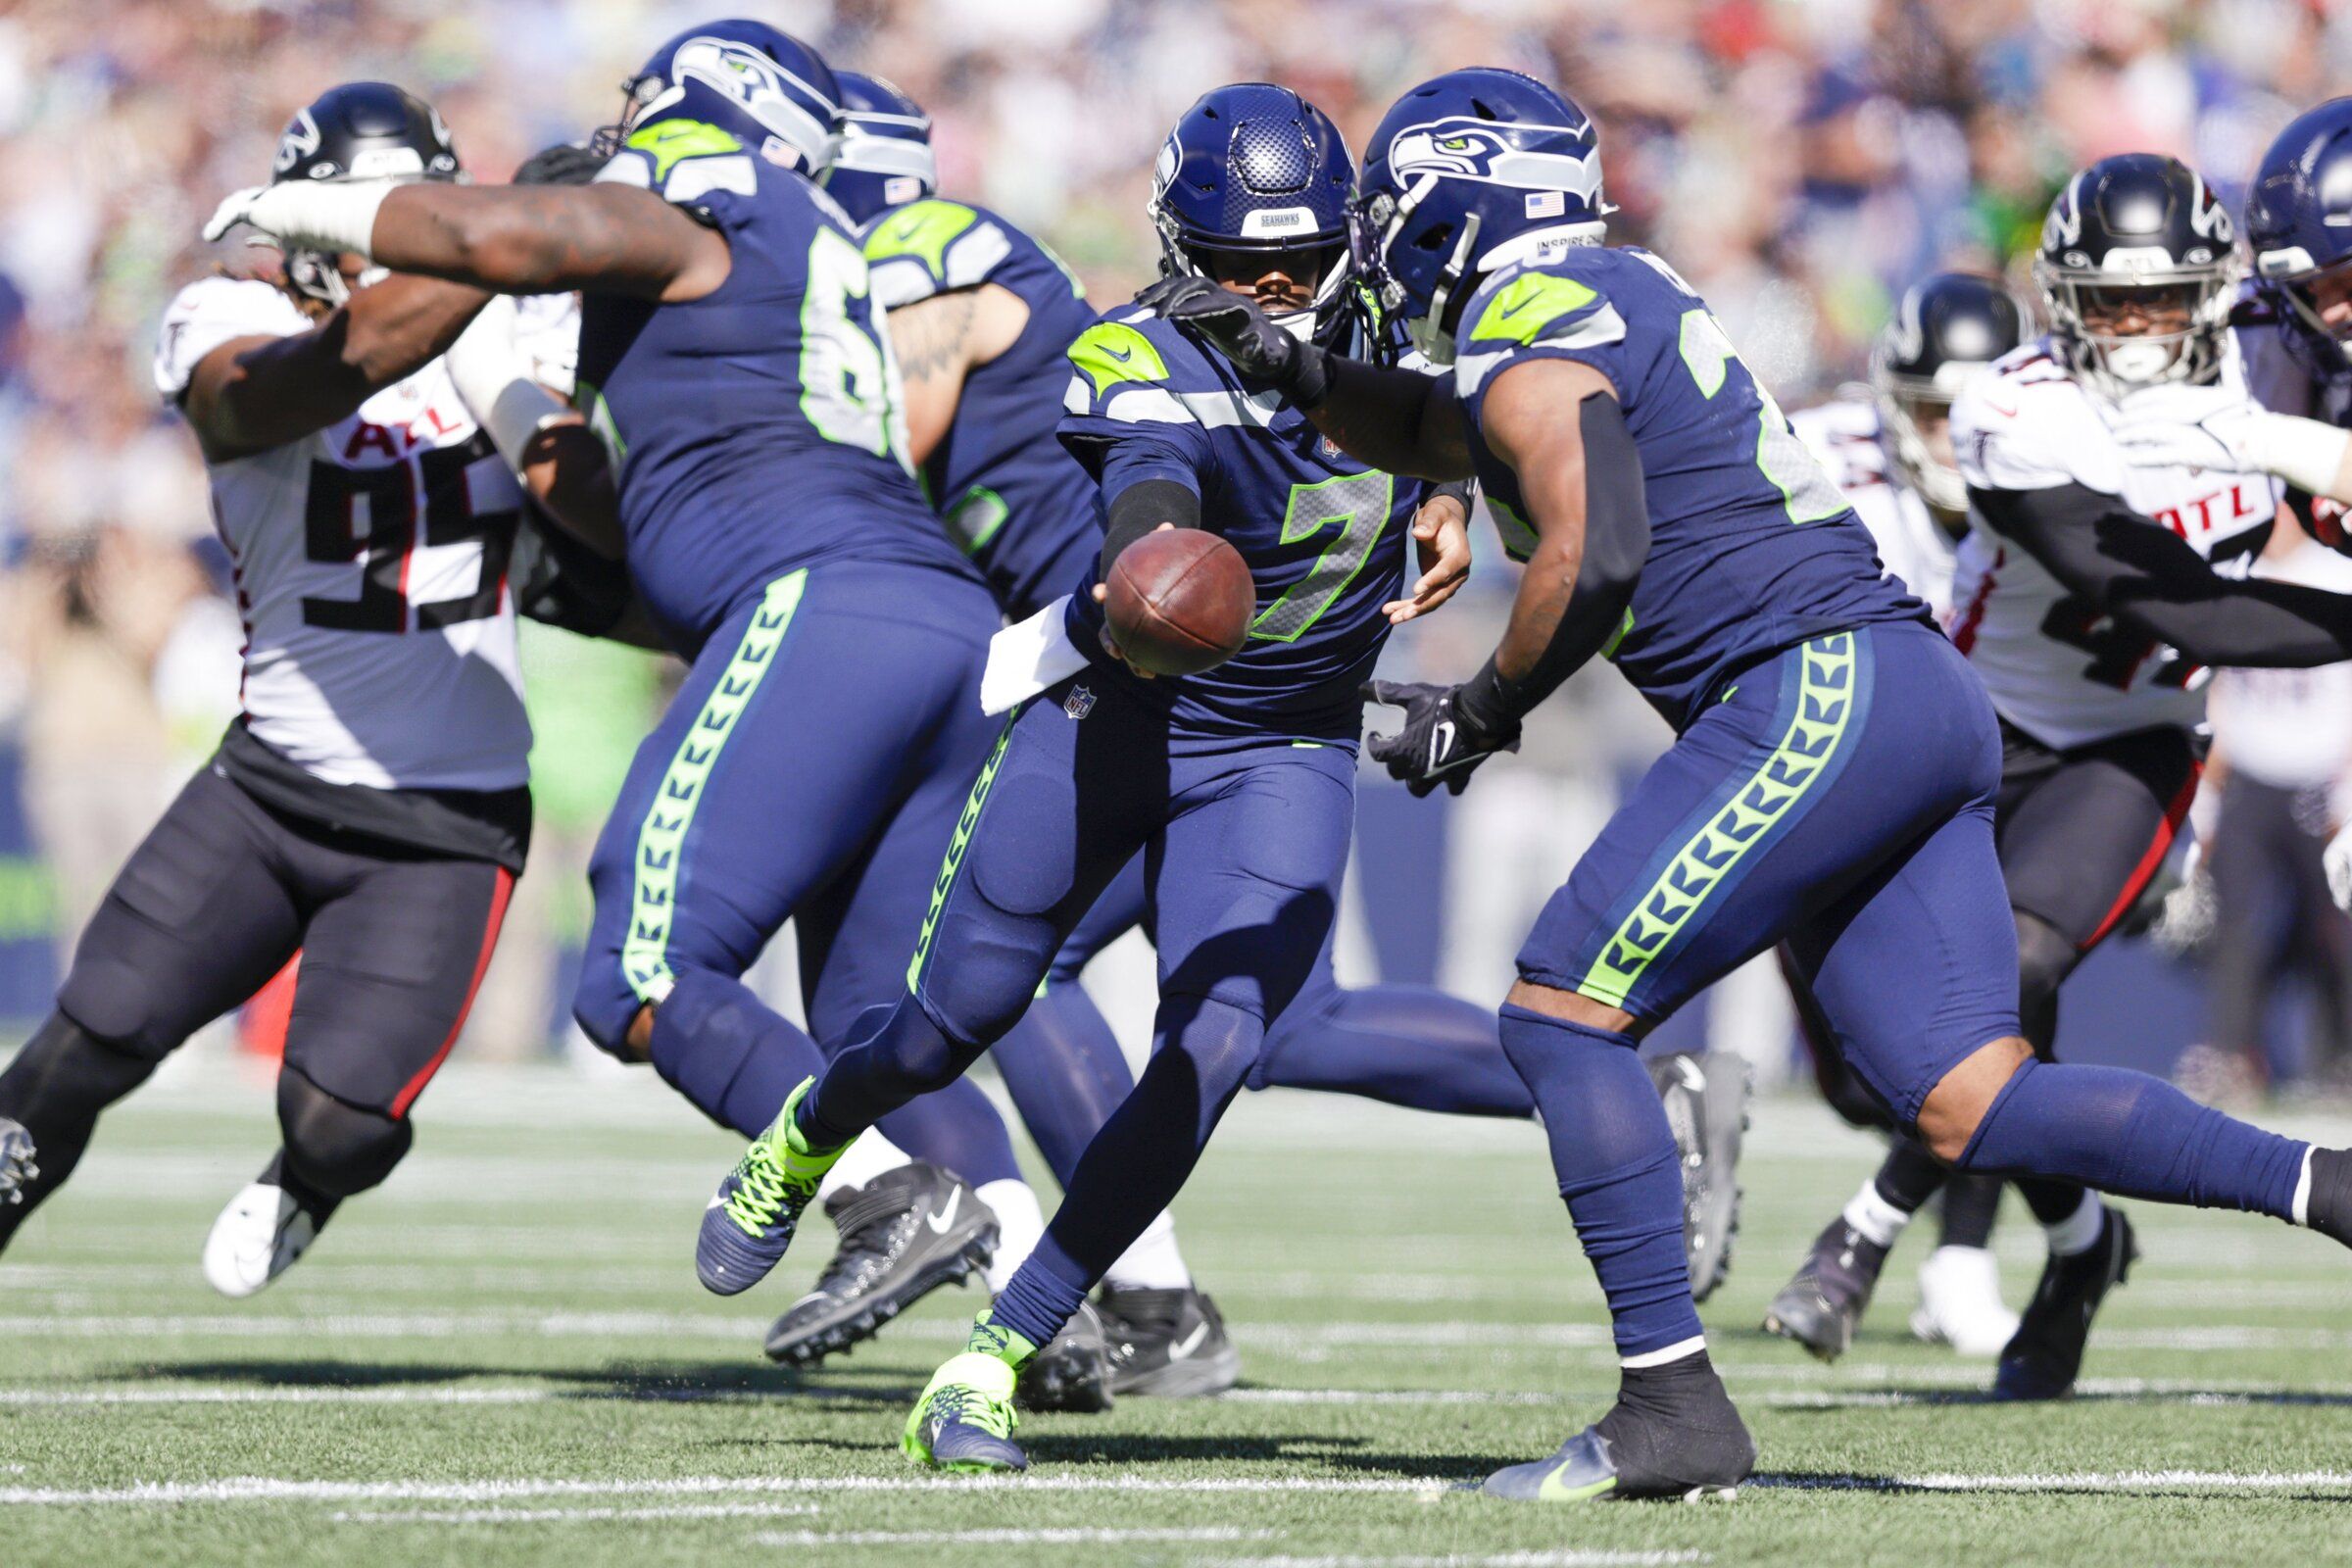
[2143,574]
[1616,546]
[216,311]
[558,581]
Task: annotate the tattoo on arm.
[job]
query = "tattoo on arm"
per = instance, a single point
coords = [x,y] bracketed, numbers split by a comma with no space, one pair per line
[932,338]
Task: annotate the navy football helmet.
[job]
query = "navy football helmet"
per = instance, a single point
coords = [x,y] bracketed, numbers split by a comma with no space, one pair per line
[1255,170]
[1468,173]
[884,159]
[360,130]
[770,90]
[2299,218]
[2144,228]
[1947,330]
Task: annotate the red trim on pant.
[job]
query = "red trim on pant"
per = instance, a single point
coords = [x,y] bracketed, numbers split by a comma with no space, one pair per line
[481,964]
[2137,882]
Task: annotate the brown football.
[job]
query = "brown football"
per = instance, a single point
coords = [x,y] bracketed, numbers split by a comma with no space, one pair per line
[1180,602]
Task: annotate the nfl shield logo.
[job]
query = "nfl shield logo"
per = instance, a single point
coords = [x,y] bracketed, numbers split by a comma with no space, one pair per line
[1080,702]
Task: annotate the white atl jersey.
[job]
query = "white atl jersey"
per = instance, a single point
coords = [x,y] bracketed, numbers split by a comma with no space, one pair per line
[1845,437]
[2058,669]
[370,562]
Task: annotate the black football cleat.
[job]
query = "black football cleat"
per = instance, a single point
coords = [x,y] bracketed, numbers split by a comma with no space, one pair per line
[902,1236]
[1672,1434]
[2045,1354]
[1819,1306]
[1169,1345]
[16,1167]
[1706,1104]
[1072,1372]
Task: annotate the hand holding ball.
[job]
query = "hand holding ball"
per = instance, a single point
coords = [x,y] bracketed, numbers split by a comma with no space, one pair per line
[1179,600]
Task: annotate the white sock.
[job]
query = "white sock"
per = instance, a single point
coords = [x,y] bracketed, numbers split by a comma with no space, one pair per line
[1878,1220]
[871,1156]
[2078,1232]
[1019,1224]
[1153,1262]
[1694,1345]
[2302,1208]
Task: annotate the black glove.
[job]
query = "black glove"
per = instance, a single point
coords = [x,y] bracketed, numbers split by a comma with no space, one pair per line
[1234,325]
[1440,743]
[563,164]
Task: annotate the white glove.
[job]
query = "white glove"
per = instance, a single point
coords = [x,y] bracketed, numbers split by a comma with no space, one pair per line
[2337,858]
[331,215]
[2215,427]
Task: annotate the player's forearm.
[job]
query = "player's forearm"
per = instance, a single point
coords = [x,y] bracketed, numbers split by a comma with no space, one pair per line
[534,239]
[283,390]
[568,473]
[1400,421]
[2253,626]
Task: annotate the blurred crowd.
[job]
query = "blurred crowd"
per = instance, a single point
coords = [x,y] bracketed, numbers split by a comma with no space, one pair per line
[1799,159]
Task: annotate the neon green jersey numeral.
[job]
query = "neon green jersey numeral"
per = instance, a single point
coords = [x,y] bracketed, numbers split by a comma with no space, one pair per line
[1358,504]
[1806,493]
[849,379]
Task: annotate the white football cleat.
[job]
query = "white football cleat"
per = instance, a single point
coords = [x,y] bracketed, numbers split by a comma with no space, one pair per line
[262,1233]
[1960,1302]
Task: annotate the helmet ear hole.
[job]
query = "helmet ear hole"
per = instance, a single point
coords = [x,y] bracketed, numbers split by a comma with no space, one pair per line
[1435,239]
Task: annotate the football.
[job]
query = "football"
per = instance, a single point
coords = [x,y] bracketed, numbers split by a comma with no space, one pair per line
[1180,602]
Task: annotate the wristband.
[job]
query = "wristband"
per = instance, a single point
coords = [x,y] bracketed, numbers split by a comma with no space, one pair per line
[2306,453]
[1309,380]
[1483,703]
[494,380]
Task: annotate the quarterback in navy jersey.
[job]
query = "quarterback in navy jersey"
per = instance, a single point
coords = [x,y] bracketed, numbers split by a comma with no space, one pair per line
[813,763]
[1833,779]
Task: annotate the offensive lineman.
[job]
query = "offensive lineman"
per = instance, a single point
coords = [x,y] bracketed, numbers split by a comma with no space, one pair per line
[1834,777]
[369,807]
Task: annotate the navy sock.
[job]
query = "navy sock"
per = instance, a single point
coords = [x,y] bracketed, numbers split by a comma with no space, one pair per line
[1065,1073]
[1408,1046]
[957,1129]
[1136,1163]
[2126,1133]
[724,1050]
[1614,1155]
[892,1058]
[1042,1294]
[1971,1204]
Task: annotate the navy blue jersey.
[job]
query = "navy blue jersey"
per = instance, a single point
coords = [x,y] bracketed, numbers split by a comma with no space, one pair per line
[1752,549]
[1011,499]
[1324,535]
[757,429]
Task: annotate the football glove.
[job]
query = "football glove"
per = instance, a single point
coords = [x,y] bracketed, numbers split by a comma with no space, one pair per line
[1440,744]
[2215,427]
[1234,326]
[563,164]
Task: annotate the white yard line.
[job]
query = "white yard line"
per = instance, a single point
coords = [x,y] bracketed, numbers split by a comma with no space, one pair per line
[302,1394]
[1504,1559]
[999,1538]
[269,1489]
[568,1516]
[2070,1480]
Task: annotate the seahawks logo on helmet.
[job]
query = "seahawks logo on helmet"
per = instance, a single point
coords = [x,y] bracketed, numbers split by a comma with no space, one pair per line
[1462,147]
[761,87]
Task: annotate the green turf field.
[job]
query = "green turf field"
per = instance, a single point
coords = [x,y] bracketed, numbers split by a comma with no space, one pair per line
[503,1358]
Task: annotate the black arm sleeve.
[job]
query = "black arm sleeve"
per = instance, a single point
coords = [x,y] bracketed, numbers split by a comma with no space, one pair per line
[557,579]
[2146,576]
[1142,507]
[1616,546]
[1464,491]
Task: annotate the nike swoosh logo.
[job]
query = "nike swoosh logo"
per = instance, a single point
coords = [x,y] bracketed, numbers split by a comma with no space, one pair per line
[717,1202]
[1189,1344]
[1441,741]
[1120,355]
[940,1221]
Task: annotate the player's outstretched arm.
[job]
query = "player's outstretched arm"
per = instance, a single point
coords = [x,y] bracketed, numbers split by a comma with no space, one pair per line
[510,239]
[2146,575]
[1398,421]
[253,393]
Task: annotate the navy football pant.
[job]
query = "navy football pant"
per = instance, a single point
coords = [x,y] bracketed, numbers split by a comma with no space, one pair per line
[1410,1046]
[1244,847]
[812,769]
[1837,797]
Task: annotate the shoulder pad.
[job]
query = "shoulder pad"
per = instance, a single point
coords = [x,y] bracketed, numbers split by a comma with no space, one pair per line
[1540,307]
[1108,353]
[685,161]
[933,245]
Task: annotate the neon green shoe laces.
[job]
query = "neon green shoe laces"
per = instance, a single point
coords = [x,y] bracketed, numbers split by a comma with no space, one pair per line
[761,1190]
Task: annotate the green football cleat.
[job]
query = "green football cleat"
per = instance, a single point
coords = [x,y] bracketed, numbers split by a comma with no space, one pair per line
[963,1422]
[748,1226]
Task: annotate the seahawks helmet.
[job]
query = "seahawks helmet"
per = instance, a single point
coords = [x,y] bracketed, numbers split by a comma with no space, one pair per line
[885,158]
[2299,221]
[1255,170]
[1467,173]
[360,130]
[773,92]
[2137,228]
[1947,330]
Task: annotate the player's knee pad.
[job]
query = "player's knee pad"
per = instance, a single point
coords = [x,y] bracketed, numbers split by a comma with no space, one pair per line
[333,1146]
[116,1005]
[604,1005]
[1221,1041]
